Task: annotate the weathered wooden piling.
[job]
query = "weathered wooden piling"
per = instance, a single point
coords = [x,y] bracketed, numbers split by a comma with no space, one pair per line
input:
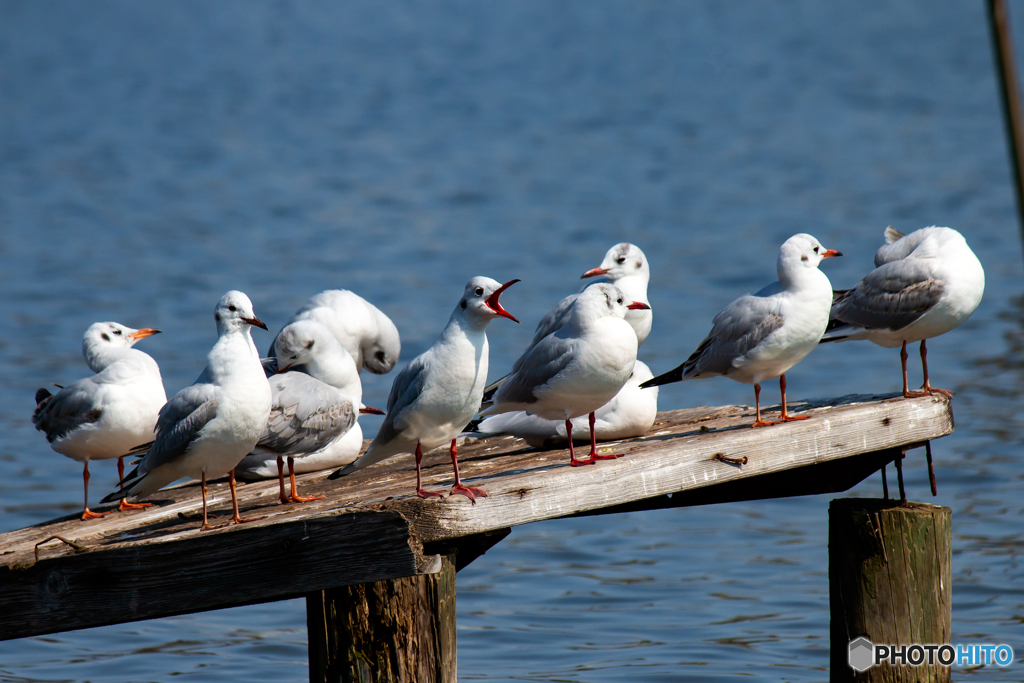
[890,582]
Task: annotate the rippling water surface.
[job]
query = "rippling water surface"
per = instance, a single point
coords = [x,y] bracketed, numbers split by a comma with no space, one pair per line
[153,156]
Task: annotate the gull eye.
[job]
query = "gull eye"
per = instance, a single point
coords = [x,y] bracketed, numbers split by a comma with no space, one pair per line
[620,301]
[232,308]
[117,332]
[816,250]
[620,260]
[380,356]
[479,291]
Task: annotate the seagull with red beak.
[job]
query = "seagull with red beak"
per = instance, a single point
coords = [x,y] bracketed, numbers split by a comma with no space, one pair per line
[761,336]
[107,415]
[208,427]
[437,394]
[577,369]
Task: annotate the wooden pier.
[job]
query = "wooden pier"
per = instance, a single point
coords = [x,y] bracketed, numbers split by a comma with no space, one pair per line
[67,574]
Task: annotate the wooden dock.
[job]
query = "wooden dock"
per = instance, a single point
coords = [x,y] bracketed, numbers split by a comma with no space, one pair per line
[67,574]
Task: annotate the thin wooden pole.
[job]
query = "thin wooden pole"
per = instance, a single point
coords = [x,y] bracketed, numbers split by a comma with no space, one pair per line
[1009,91]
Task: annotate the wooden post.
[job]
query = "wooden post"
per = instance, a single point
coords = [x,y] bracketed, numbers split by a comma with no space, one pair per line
[1009,92]
[890,579]
[394,631]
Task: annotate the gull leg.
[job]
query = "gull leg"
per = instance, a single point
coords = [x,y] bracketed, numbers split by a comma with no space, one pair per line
[86,512]
[907,393]
[280,481]
[125,505]
[786,417]
[237,518]
[206,525]
[593,444]
[573,462]
[296,498]
[420,491]
[467,491]
[757,403]
[927,388]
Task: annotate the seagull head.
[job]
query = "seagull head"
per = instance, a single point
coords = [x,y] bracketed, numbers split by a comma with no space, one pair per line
[603,299]
[803,250]
[480,300]
[382,355]
[302,341]
[103,338]
[622,260]
[234,312]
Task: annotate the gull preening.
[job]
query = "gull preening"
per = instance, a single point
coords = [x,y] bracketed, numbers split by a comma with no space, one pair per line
[437,394]
[107,415]
[363,330]
[208,427]
[924,284]
[317,398]
[761,336]
[631,412]
[577,369]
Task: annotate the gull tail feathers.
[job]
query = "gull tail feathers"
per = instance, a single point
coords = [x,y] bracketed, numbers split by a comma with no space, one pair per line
[673,375]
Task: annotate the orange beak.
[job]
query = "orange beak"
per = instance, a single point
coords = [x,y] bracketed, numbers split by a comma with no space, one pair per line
[831,252]
[594,272]
[144,332]
[255,322]
[492,301]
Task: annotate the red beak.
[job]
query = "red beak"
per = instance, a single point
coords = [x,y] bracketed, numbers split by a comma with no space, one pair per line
[594,272]
[255,322]
[281,370]
[831,252]
[638,306]
[370,410]
[492,301]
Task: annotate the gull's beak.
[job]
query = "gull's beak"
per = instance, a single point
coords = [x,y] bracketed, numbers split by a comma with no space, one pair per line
[492,301]
[370,410]
[255,322]
[594,272]
[144,332]
[281,370]
[831,252]
[638,306]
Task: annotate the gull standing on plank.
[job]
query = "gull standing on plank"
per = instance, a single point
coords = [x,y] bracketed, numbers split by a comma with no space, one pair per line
[631,412]
[437,394]
[761,336]
[317,399]
[924,284]
[579,368]
[208,427]
[365,332]
[108,414]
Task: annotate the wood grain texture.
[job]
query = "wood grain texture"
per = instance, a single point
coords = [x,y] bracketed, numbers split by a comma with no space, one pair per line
[681,455]
[890,580]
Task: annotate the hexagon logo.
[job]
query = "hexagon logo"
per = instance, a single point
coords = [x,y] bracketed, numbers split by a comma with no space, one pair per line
[861,654]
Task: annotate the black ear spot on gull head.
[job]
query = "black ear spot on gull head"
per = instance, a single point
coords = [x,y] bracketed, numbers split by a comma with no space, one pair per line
[309,344]
[106,337]
[803,257]
[463,304]
[639,264]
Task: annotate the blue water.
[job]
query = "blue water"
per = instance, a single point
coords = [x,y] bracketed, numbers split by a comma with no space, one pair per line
[155,155]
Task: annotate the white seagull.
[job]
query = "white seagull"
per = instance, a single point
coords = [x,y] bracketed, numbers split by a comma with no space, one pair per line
[577,369]
[436,395]
[317,399]
[631,412]
[365,332]
[208,427]
[761,336]
[108,414]
[924,284]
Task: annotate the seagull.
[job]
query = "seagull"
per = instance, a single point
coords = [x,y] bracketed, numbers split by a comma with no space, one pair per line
[437,394]
[631,412]
[317,395]
[924,284]
[208,427]
[365,332]
[577,369]
[761,336]
[108,414]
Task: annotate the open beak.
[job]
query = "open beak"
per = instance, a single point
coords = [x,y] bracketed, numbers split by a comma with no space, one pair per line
[638,306]
[492,301]
[255,322]
[370,410]
[831,252]
[144,332]
[594,272]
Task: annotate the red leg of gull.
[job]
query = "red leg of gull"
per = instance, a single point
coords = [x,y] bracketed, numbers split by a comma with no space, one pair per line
[87,513]
[237,518]
[594,455]
[296,498]
[907,393]
[786,417]
[206,525]
[928,388]
[572,452]
[420,491]
[125,505]
[280,481]
[758,422]
[467,491]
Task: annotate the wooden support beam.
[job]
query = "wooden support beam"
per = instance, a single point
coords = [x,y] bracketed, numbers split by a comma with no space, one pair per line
[1009,91]
[890,576]
[396,631]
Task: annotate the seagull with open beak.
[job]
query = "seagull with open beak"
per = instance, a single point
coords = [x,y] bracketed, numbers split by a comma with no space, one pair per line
[437,394]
